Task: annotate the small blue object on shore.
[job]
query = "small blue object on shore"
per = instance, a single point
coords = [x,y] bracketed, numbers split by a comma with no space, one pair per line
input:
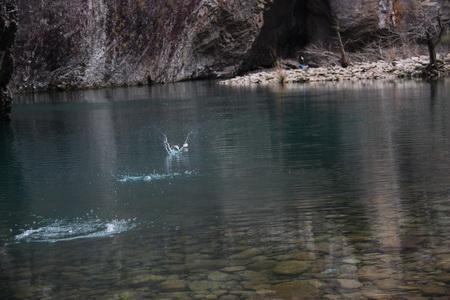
[303,67]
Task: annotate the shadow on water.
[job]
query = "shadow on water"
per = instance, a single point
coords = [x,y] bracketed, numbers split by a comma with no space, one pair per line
[310,191]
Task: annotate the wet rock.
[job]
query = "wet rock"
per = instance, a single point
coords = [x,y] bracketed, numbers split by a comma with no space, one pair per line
[349,284]
[205,264]
[377,295]
[283,257]
[256,286]
[198,286]
[126,295]
[331,297]
[242,293]
[233,269]
[373,273]
[433,290]
[299,289]
[265,292]
[443,277]
[347,271]
[386,284]
[173,285]
[218,276]
[304,256]
[247,253]
[262,265]
[444,265]
[147,278]
[291,267]
[217,286]
[351,261]
[228,297]
[254,277]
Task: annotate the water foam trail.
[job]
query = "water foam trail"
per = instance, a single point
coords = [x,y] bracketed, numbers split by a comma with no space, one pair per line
[152,177]
[61,230]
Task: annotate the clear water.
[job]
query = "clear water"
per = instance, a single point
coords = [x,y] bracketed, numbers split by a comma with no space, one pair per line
[334,191]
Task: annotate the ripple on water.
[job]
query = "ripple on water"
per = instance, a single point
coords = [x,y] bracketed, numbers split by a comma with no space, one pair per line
[63,230]
[152,176]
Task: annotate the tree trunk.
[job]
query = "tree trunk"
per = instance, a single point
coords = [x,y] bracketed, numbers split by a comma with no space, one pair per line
[344,60]
[432,53]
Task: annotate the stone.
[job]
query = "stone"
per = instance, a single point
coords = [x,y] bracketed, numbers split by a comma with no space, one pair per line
[173,285]
[265,292]
[254,277]
[205,264]
[147,278]
[198,286]
[349,284]
[386,284]
[291,267]
[434,290]
[228,297]
[377,295]
[347,269]
[218,276]
[298,289]
[351,261]
[262,265]
[444,265]
[126,295]
[233,269]
[373,273]
[247,253]
[305,256]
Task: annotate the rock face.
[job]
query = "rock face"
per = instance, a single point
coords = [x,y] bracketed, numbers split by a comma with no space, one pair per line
[85,43]
[8,28]
[97,42]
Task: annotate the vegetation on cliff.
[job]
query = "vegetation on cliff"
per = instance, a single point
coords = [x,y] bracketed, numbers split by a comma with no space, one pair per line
[8,28]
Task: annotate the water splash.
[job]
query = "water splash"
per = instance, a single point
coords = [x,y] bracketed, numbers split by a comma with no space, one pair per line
[175,150]
[63,230]
[152,177]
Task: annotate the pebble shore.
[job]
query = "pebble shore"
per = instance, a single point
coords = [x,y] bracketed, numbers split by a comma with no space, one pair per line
[407,68]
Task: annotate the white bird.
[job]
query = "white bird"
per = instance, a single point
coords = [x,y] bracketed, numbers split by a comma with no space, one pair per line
[175,149]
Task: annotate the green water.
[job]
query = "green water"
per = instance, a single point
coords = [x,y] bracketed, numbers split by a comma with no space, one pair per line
[333,191]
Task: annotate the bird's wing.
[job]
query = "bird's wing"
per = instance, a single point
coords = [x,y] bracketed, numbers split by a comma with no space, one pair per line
[187,137]
[165,140]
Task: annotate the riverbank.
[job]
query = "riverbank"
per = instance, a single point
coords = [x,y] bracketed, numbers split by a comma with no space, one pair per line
[413,67]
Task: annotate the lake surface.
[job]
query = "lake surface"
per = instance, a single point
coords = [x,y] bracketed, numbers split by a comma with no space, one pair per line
[333,191]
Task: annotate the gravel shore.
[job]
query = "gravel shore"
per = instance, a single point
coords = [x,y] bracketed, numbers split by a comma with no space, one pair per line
[407,68]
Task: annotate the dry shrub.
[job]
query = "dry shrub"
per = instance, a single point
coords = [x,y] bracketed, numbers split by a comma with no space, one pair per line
[280,73]
[320,55]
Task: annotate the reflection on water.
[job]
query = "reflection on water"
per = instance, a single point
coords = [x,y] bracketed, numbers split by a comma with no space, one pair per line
[335,191]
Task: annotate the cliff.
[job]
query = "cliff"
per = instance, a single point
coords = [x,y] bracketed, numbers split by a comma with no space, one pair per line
[8,28]
[88,43]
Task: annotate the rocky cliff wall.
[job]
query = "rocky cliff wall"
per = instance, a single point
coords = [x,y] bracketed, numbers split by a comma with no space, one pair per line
[97,42]
[8,28]
[84,43]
